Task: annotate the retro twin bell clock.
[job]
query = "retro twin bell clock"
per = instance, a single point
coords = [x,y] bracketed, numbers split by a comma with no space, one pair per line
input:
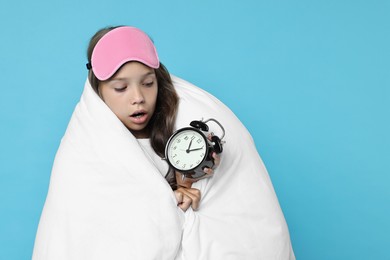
[189,150]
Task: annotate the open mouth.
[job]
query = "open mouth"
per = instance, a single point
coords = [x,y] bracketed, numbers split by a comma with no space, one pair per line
[138,114]
[139,117]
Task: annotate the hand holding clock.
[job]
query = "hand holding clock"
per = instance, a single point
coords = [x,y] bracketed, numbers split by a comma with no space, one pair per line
[187,196]
[192,164]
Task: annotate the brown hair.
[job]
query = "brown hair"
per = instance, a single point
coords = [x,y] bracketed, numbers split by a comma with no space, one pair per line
[162,123]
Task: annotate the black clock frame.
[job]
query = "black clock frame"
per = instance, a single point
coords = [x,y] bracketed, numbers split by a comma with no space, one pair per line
[208,161]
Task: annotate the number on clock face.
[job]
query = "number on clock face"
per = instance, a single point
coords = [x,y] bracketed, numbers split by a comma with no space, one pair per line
[187,149]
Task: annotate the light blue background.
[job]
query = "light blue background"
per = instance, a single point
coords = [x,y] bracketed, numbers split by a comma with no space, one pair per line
[309,79]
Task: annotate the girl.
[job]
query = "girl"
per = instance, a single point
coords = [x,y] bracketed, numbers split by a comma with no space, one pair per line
[109,196]
[139,90]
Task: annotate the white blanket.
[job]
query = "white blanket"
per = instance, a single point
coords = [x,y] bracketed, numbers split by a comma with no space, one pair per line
[107,200]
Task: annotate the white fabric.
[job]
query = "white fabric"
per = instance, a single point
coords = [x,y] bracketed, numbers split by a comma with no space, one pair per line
[160,164]
[107,200]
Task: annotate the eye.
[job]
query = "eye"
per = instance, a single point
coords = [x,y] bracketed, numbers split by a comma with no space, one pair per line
[120,89]
[148,83]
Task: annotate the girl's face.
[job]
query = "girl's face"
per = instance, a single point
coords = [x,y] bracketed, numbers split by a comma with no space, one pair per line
[131,94]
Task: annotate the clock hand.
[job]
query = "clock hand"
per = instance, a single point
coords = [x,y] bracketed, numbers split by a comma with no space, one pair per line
[189,146]
[196,149]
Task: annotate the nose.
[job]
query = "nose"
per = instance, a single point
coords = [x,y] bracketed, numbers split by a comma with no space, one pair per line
[137,96]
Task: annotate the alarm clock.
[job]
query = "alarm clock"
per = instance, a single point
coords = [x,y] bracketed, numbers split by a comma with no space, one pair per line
[189,150]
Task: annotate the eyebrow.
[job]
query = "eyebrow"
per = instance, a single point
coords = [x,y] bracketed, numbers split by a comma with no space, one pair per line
[142,77]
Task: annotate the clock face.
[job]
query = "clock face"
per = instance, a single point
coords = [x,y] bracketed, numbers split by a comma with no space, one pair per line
[186,149]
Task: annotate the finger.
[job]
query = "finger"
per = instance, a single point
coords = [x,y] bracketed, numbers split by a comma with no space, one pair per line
[187,202]
[208,171]
[179,197]
[193,195]
[183,201]
[217,158]
[190,192]
[195,192]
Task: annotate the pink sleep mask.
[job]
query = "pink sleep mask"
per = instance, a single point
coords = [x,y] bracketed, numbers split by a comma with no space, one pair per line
[121,45]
